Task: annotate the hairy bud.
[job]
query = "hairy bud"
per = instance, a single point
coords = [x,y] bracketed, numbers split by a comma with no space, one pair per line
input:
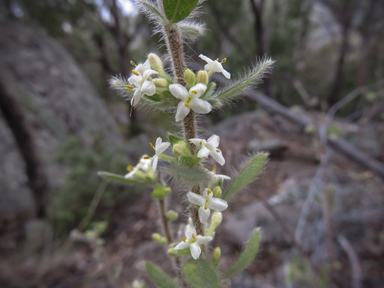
[155,62]
[160,82]
[216,255]
[159,239]
[190,77]
[172,215]
[217,192]
[202,77]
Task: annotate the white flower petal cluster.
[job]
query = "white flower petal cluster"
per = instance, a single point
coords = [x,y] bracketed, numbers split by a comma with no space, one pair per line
[144,164]
[192,241]
[190,100]
[209,147]
[207,203]
[214,66]
[141,84]
[159,149]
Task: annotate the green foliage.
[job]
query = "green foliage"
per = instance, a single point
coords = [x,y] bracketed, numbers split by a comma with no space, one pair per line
[189,160]
[71,203]
[158,275]
[177,10]
[247,175]
[200,274]
[173,139]
[247,256]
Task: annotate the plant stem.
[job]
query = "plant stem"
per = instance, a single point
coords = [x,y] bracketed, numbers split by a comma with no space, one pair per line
[164,221]
[175,50]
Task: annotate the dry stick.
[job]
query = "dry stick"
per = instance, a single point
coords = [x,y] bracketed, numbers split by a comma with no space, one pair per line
[353,258]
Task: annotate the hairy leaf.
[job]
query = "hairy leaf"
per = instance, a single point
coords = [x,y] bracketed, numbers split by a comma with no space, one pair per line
[151,8]
[248,174]
[200,274]
[177,10]
[161,279]
[189,161]
[247,256]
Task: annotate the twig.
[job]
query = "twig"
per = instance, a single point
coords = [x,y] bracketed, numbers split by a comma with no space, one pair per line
[353,259]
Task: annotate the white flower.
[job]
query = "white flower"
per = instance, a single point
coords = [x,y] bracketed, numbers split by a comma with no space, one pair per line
[209,147]
[140,82]
[215,66]
[192,241]
[206,203]
[190,100]
[159,149]
[143,164]
[217,177]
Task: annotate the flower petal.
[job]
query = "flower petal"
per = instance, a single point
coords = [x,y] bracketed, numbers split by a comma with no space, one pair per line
[162,148]
[155,159]
[203,152]
[218,204]
[148,88]
[182,245]
[196,198]
[204,214]
[224,177]
[178,91]
[200,106]
[135,80]
[205,58]
[148,73]
[158,142]
[182,111]
[195,250]
[189,230]
[226,74]
[214,141]
[199,88]
[218,156]
[197,141]
[136,97]
[203,239]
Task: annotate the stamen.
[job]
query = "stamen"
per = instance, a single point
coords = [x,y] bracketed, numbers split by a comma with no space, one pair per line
[205,207]
[132,63]
[186,104]
[193,236]
[201,144]
[151,145]
[146,157]
[217,150]
[224,60]
[136,73]
[194,92]
[209,191]
[214,168]
[129,168]
[184,239]
[217,59]
[129,86]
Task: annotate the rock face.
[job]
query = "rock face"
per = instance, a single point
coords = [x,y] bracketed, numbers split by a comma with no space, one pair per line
[57,101]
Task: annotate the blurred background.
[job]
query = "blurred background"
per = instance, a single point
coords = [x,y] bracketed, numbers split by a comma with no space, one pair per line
[319,201]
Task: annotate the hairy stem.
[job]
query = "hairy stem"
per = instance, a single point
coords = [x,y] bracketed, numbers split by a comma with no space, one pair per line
[175,50]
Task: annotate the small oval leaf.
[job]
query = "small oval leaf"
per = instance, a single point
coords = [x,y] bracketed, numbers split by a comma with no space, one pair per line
[177,10]
[248,174]
[247,256]
[158,275]
[200,274]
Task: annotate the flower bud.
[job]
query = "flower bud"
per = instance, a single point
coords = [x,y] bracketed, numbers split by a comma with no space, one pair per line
[172,215]
[190,77]
[155,62]
[138,284]
[217,192]
[160,192]
[181,149]
[202,77]
[159,239]
[216,219]
[160,82]
[216,255]
[171,252]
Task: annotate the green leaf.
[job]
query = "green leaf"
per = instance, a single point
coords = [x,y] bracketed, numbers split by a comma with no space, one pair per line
[116,177]
[161,279]
[173,139]
[248,174]
[177,10]
[247,256]
[200,274]
[155,97]
[189,161]
[152,8]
